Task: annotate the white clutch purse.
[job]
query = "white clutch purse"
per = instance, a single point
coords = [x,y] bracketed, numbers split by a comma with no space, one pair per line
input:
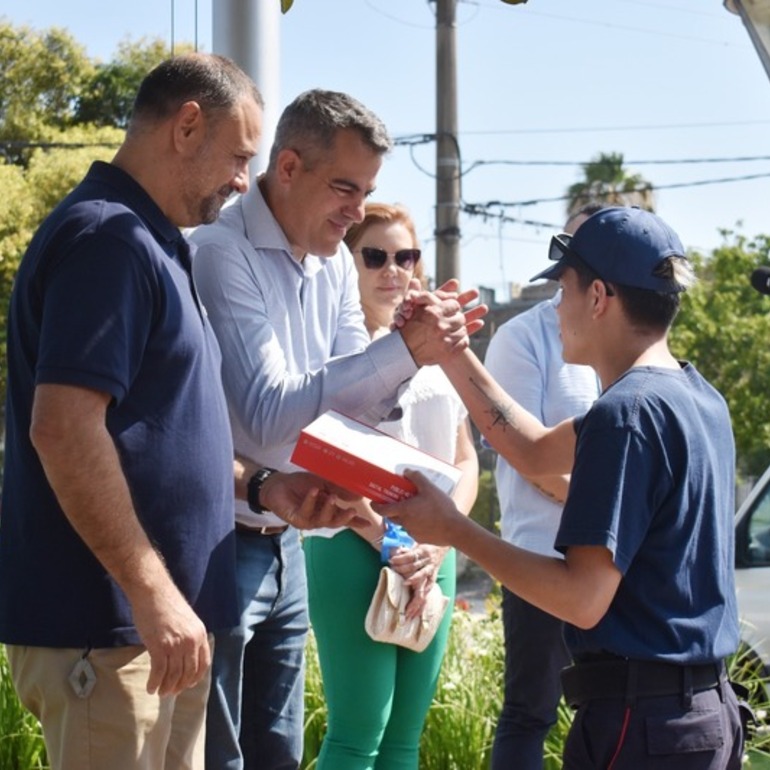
[386,620]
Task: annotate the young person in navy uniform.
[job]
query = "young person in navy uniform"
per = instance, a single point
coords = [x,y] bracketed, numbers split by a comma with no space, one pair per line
[646,586]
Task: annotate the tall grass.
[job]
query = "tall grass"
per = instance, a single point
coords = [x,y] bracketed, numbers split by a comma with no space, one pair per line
[461,722]
[21,742]
[315,706]
[460,726]
[745,667]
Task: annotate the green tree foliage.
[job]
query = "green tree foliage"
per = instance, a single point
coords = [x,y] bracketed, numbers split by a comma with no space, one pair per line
[31,192]
[109,96]
[486,508]
[54,171]
[607,181]
[17,222]
[47,141]
[44,73]
[723,328]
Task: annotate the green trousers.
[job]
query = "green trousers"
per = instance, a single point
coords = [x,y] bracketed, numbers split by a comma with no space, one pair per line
[377,694]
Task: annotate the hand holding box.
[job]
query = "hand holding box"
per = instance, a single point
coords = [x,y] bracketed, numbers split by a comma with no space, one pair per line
[365,460]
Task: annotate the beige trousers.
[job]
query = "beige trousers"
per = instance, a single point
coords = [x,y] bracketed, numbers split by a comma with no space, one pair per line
[117,726]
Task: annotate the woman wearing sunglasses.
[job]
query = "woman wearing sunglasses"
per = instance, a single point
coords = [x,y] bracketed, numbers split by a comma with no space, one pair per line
[378,694]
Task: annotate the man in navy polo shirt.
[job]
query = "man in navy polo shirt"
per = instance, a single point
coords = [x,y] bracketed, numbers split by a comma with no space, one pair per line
[116,545]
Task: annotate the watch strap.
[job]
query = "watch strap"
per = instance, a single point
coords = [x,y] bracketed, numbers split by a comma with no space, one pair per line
[254,487]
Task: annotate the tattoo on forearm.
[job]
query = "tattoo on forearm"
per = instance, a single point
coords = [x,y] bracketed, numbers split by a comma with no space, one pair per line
[501,413]
[546,493]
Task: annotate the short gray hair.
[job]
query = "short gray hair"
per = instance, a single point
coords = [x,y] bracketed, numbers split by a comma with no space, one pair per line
[310,124]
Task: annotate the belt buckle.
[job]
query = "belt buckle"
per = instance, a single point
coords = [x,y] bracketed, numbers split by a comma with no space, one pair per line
[270,531]
[263,531]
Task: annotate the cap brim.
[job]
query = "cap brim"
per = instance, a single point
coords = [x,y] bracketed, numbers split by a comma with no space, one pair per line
[552,273]
[558,252]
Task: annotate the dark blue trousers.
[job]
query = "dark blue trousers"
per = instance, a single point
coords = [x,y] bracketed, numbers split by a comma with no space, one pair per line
[657,733]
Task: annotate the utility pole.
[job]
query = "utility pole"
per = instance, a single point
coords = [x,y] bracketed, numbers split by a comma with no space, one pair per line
[447,147]
[248,31]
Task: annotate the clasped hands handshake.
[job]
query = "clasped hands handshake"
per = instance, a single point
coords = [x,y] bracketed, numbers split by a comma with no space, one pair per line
[436,324]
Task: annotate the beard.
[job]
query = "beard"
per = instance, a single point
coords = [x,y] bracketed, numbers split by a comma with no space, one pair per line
[210,206]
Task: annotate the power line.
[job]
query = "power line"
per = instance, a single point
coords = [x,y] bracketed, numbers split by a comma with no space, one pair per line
[669,7]
[598,129]
[482,209]
[624,27]
[412,140]
[15,144]
[668,161]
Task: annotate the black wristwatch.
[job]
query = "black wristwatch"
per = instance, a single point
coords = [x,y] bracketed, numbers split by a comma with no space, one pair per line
[254,487]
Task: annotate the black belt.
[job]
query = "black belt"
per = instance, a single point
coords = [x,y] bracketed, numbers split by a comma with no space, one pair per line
[245,529]
[630,679]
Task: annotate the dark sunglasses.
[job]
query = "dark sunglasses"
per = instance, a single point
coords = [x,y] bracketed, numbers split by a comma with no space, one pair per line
[560,247]
[374,258]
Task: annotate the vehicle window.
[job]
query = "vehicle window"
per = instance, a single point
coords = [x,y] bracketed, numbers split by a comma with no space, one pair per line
[759,529]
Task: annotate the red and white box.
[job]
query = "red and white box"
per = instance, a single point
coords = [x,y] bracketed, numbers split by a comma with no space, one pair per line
[365,460]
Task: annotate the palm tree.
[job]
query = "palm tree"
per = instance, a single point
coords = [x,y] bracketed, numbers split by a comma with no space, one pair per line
[607,182]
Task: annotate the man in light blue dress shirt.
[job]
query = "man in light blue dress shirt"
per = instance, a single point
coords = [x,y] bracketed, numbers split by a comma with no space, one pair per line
[281,291]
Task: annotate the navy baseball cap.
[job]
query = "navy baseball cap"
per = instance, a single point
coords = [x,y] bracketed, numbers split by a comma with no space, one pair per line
[621,245]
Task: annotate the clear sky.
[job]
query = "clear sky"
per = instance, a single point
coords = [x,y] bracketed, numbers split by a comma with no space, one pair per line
[542,88]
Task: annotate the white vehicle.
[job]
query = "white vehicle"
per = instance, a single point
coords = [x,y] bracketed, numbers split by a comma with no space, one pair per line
[752,571]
